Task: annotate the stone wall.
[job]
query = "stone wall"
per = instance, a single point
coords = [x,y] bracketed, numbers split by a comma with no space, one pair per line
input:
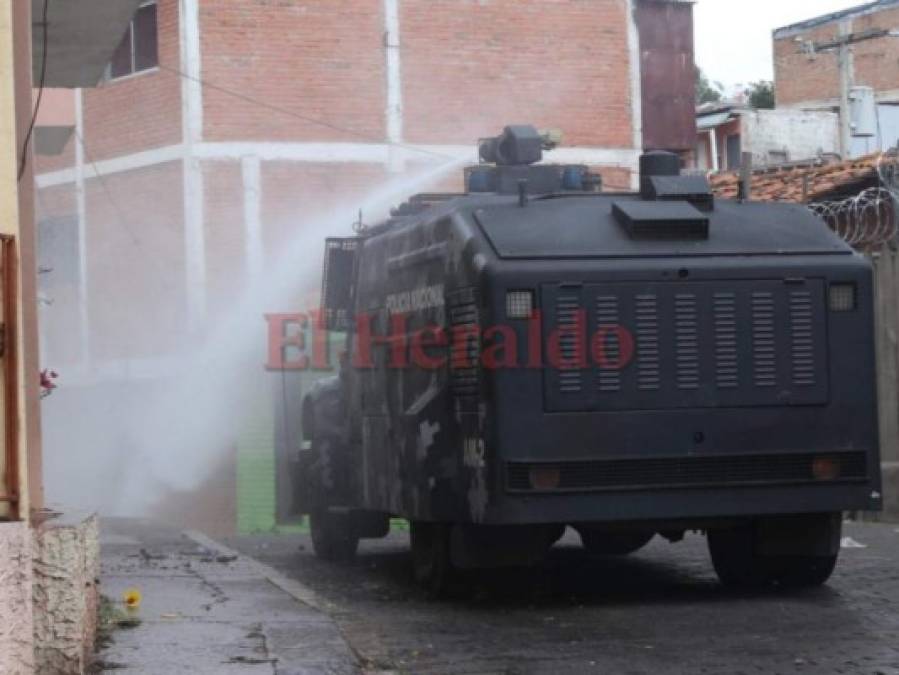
[66,554]
[16,629]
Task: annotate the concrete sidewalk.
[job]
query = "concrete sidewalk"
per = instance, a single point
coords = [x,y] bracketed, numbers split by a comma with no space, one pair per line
[205,609]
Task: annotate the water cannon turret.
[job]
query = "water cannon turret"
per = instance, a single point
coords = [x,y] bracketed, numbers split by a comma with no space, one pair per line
[508,165]
[518,145]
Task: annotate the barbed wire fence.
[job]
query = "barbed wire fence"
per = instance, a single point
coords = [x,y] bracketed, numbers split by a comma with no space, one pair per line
[869,220]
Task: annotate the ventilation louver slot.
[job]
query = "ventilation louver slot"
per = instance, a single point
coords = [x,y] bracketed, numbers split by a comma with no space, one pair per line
[568,314]
[764,350]
[608,320]
[802,339]
[649,376]
[465,348]
[687,339]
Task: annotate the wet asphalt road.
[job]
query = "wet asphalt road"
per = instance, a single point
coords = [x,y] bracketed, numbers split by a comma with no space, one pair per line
[658,611]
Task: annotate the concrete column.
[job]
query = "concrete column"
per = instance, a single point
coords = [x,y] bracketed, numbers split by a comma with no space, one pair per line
[252,215]
[636,87]
[81,208]
[394,111]
[192,129]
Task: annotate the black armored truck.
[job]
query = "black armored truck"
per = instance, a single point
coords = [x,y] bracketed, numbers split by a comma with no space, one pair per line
[538,353]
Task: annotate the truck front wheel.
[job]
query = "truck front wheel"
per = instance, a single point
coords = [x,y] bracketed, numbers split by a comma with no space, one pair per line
[432,565]
[334,536]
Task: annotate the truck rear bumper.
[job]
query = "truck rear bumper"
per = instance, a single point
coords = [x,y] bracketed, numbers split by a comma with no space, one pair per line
[682,504]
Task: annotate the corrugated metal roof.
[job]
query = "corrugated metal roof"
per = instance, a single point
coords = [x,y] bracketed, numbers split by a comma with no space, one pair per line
[852,12]
[704,122]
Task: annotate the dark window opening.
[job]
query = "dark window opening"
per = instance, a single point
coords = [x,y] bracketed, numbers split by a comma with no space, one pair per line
[139,49]
[734,152]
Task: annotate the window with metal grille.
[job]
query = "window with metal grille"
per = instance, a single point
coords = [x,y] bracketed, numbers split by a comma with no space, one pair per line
[139,49]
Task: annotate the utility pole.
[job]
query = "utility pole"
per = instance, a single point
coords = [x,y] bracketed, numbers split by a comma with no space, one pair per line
[843,46]
[846,81]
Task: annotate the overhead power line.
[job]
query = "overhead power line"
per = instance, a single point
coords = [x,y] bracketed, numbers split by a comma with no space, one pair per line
[304,118]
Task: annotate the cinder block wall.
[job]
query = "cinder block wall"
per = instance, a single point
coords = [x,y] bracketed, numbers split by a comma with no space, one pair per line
[799,135]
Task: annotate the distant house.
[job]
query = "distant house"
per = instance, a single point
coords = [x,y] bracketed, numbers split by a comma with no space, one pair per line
[774,137]
[808,77]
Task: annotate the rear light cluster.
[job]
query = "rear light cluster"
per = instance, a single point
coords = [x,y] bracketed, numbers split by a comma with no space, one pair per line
[842,297]
[519,304]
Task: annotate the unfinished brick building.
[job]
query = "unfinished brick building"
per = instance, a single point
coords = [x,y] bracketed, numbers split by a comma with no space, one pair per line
[223,126]
[809,78]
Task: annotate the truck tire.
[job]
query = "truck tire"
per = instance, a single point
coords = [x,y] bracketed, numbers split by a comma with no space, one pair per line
[432,567]
[739,563]
[804,571]
[334,536]
[597,542]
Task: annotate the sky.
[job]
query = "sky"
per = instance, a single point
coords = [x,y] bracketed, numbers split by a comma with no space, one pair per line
[733,38]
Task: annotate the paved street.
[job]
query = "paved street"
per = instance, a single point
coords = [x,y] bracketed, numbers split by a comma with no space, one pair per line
[659,611]
[208,611]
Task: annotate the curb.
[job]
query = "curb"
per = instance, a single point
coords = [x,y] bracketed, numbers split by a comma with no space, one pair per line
[293,588]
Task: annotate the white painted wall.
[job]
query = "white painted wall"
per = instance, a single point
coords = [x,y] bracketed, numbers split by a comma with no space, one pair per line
[775,136]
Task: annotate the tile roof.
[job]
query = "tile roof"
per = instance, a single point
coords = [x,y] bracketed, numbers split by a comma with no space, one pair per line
[804,183]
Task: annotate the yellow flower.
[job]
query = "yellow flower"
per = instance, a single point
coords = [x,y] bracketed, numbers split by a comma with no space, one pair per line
[131,598]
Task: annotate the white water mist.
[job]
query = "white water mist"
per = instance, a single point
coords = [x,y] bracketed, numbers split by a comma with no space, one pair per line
[171,434]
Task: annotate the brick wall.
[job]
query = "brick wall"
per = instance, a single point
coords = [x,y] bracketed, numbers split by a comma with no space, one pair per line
[141,111]
[469,68]
[135,246]
[802,78]
[321,60]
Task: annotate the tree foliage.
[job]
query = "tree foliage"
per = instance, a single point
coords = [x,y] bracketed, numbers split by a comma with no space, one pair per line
[706,90]
[760,95]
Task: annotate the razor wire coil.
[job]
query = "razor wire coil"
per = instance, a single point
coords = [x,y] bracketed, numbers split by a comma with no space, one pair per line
[870,219]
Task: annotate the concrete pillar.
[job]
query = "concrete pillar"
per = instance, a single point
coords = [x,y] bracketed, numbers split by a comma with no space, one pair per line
[17,220]
[192,123]
[394,112]
[886,280]
[251,174]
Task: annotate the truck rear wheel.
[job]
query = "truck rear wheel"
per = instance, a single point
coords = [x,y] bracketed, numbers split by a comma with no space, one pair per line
[598,542]
[334,536]
[432,566]
[741,561]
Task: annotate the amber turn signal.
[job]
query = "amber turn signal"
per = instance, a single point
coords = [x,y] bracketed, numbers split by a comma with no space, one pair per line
[545,478]
[826,468]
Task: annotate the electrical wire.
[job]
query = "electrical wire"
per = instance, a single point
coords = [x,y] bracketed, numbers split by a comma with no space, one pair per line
[161,273]
[304,118]
[23,163]
[322,123]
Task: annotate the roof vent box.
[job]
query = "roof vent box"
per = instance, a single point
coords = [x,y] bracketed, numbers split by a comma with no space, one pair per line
[661,220]
[693,189]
